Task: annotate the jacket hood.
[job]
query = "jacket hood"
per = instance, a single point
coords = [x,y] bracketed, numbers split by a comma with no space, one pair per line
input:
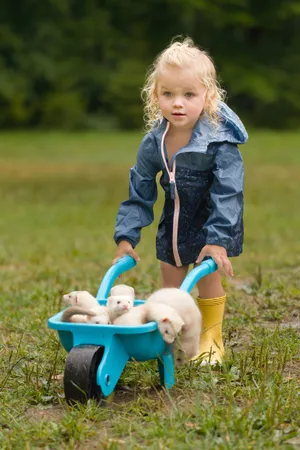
[230,128]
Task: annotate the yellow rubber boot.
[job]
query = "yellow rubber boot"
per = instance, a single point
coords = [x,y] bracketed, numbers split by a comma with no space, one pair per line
[211,342]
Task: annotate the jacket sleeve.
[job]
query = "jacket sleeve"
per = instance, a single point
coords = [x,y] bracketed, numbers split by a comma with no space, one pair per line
[137,212]
[225,223]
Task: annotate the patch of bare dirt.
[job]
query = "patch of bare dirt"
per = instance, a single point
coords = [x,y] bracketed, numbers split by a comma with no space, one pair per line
[49,413]
[292,370]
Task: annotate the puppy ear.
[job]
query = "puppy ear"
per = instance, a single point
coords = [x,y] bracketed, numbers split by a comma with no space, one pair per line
[77,299]
[165,320]
[109,299]
[112,290]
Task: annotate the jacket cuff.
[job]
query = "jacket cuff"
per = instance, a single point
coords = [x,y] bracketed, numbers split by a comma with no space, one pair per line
[125,238]
[220,242]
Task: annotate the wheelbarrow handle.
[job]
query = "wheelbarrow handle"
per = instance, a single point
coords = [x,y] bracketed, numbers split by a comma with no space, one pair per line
[205,268]
[121,266]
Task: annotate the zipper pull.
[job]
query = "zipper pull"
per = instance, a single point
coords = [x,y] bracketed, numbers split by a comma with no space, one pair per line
[172,185]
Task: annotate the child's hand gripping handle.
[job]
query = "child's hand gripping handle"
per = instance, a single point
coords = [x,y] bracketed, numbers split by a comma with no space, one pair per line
[205,268]
[121,266]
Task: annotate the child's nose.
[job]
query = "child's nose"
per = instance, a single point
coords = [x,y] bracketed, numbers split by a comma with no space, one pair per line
[178,102]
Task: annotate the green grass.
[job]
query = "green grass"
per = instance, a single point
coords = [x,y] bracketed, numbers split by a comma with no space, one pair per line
[59,197]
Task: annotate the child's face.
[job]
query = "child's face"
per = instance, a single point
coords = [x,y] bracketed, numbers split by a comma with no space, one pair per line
[181,96]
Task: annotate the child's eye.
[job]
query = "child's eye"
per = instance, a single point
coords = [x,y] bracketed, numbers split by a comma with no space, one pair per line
[167,94]
[189,94]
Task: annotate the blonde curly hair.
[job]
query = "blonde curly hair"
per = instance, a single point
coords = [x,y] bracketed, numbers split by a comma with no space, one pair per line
[182,54]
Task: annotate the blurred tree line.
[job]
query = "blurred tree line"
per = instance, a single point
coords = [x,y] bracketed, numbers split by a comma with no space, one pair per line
[82,63]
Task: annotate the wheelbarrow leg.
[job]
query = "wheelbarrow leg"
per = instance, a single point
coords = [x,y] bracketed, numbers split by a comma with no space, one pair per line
[166,370]
[112,365]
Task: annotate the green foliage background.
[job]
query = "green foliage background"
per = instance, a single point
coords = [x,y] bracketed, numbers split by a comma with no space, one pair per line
[81,64]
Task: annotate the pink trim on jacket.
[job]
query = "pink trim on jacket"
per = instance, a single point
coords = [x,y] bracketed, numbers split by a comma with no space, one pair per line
[172,181]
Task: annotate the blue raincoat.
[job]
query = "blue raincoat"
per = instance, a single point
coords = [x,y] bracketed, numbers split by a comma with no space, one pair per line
[203,197]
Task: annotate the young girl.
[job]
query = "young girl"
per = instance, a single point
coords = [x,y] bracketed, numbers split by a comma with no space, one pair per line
[192,140]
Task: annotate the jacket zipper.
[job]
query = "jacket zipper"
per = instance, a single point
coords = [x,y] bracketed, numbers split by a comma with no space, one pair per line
[175,197]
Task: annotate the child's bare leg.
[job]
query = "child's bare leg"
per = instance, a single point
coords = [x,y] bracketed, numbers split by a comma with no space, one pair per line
[210,286]
[172,276]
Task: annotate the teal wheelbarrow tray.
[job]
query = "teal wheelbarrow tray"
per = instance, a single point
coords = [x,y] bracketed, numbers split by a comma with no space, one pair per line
[97,354]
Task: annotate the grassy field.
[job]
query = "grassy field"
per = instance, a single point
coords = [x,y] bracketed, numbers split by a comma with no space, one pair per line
[59,197]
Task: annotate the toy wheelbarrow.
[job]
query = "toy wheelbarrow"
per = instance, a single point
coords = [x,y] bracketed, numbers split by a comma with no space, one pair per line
[97,354]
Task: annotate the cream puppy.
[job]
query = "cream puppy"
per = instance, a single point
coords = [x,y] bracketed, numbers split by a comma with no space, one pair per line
[120,301]
[168,320]
[186,307]
[81,298]
[78,314]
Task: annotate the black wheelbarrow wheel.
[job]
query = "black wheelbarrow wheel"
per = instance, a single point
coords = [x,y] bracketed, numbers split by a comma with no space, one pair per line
[80,374]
